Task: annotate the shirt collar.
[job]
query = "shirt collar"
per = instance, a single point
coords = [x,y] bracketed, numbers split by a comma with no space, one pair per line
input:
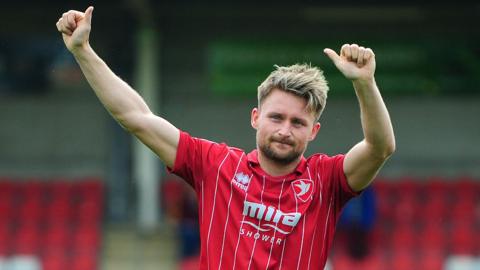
[252,158]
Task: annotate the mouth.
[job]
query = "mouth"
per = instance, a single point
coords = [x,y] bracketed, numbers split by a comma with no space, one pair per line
[283,143]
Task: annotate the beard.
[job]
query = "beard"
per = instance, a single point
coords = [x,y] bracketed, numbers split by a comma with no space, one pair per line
[283,159]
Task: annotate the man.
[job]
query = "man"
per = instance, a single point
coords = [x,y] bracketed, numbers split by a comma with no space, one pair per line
[272,208]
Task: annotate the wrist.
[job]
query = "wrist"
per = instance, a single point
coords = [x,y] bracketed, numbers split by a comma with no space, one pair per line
[80,51]
[364,82]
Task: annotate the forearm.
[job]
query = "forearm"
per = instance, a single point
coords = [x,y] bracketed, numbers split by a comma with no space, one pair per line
[115,94]
[376,124]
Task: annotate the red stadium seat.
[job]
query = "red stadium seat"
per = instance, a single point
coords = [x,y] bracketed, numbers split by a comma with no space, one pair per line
[431,260]
[61,189]
[85,261]
[435,209]
[408,185]
[464,211]
[32,189]
[90,189]
[464,239]
[86,239]
[27,239]
[57,236]
[55,261]
[5,235]
[7,188]
[404,238]
[384,193]
[466,188]
[405,210]
[433,237]
[31,210]
[60,210]
[89,211]
[403,260]
[7,212]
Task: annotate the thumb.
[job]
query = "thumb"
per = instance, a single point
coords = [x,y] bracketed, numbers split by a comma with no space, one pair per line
[332,55]
[88,14]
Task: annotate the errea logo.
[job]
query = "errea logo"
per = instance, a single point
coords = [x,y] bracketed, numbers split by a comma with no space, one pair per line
[241,180]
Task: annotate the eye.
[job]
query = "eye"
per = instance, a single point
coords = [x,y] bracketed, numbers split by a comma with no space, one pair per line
[275,117]
[298,123]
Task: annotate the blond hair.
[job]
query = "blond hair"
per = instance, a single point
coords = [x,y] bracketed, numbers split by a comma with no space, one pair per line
[300,79]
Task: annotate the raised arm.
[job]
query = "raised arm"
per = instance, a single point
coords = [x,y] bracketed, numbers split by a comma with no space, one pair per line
[123,103]
[365,159]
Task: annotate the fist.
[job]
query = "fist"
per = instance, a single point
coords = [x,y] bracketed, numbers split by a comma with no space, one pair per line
[75,28]
[355,62]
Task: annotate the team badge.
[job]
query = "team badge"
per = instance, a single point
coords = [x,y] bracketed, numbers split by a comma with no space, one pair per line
[303,189]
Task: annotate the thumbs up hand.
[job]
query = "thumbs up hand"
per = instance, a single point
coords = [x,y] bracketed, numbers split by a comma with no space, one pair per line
[75,27]
[355,62]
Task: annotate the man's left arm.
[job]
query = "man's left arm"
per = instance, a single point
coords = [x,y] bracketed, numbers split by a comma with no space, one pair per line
[365,159]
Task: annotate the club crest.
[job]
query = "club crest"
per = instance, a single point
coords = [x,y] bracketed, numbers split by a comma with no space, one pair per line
[303,189]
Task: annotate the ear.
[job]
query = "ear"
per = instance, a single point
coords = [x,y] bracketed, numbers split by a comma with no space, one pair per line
[315,129]
[254,118]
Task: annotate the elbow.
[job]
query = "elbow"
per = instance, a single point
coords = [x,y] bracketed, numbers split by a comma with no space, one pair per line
[389,149]
[383,151]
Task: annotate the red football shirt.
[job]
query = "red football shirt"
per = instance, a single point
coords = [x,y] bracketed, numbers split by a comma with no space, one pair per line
[251,220]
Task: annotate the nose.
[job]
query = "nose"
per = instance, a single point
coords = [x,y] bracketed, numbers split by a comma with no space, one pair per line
[285,130]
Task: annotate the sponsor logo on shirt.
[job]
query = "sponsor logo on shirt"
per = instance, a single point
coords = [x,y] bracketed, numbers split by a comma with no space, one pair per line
[241,180]
[274,219]
[303,189]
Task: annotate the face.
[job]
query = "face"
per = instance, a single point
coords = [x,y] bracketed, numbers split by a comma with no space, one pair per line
[284,127]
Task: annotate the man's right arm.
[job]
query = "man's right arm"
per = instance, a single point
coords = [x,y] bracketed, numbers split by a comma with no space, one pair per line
[123,103]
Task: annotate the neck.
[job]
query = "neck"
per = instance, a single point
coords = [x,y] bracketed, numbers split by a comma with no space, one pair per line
[274,168]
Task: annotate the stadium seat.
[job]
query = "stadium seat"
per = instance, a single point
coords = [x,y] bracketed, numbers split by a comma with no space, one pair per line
[91,186]
[435,208]
[31,189]
[405,209]
[466,188]
[421,222]
[7,212]
[7,188]
[86,239]
[433,237]
[431,260]
[55,261]
[56,219]
[84,261]
[463,240]
[89,211]
[56,237]
[60,210]
[31,210]
[27,239]
[464,211]
[407,185]
[403,260]
[60,189]
[384,193]
[404,238]
[5,234]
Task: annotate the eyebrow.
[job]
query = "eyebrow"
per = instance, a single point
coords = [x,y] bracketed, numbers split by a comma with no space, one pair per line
[300,120]
[294,119]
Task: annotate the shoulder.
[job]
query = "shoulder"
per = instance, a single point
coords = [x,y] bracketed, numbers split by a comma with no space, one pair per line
[321,158]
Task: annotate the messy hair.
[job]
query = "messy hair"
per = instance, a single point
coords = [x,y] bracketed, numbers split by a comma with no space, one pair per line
[302,80]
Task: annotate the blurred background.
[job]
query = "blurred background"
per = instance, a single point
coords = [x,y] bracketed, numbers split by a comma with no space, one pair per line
[77,192]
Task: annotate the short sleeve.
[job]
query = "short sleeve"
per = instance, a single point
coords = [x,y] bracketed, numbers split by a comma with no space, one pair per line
[194,156]
[345,191]
[332,172]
